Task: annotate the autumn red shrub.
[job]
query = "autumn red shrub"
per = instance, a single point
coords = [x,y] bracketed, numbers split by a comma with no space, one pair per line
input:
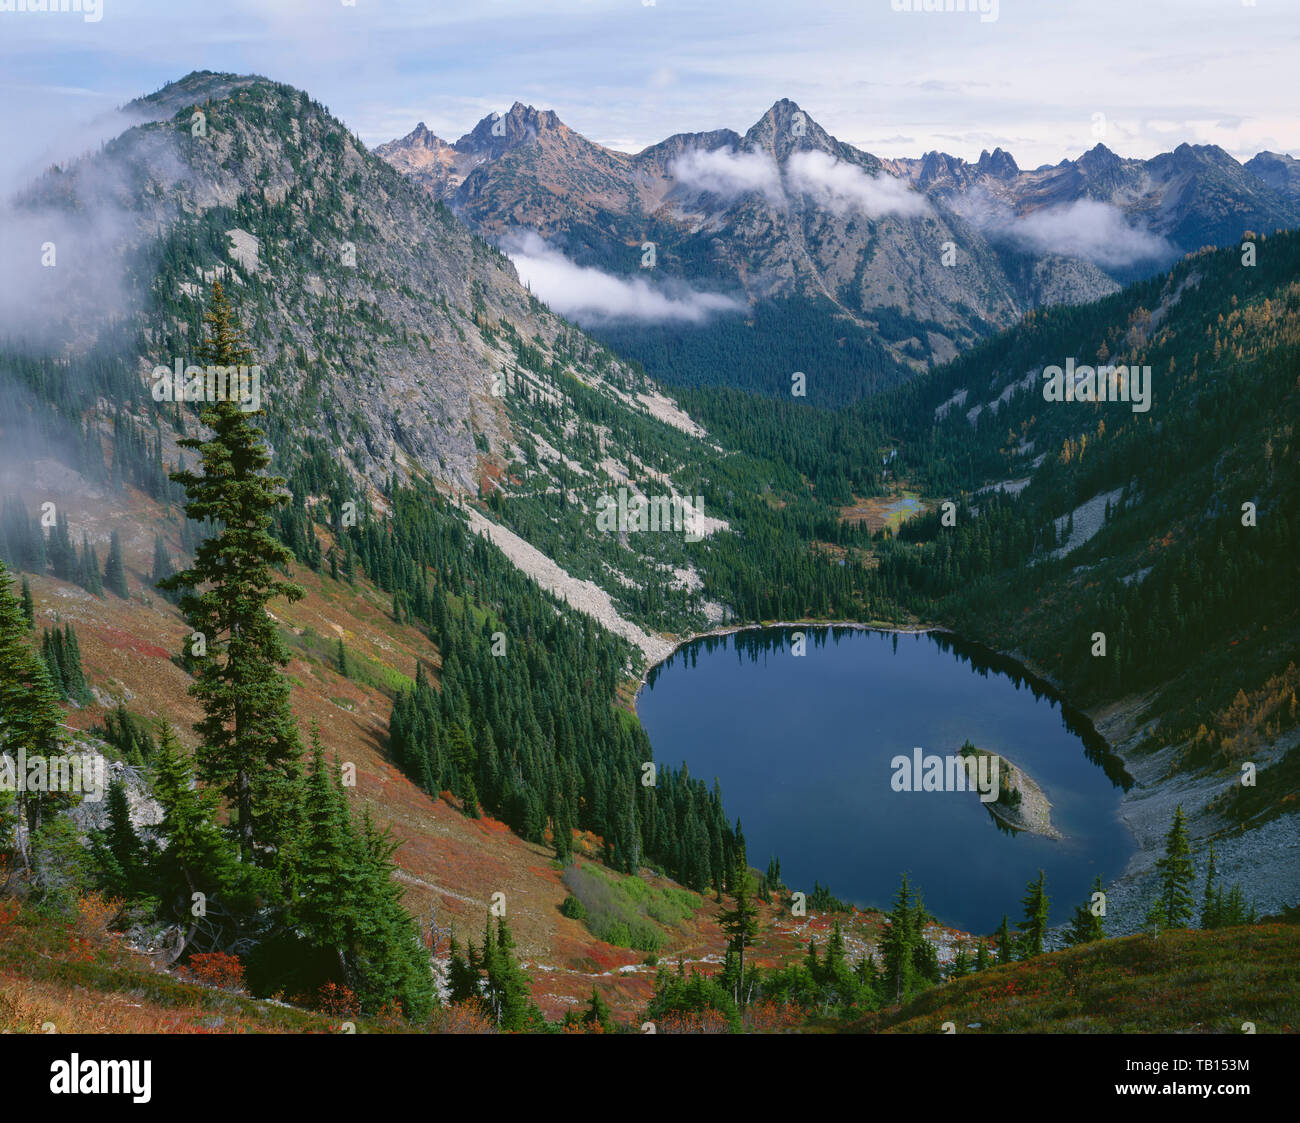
[337,1001]
[701,1021]
[80,949]
[465,1017]
[216,969]
[95,912]
[769,1017]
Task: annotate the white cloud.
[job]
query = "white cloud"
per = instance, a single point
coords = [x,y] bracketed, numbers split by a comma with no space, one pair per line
[729,174]
[1086,228]
[842,187]
[590,296]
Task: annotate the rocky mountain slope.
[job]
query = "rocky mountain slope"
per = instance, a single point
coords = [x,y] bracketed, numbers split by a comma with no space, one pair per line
[907,262]
[397,343]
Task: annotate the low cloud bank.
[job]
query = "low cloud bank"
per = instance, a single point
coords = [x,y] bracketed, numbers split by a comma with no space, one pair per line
[1085,228]
[730,174]
[842,187]
[814,176]
[591,296]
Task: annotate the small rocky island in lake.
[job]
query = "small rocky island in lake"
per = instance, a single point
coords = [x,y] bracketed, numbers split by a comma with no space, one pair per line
[1021,804]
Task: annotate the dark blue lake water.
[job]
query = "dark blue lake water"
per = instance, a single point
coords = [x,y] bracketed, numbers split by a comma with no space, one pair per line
[802,748]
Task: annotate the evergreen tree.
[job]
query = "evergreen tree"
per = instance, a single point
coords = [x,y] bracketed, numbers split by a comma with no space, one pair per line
[598,1013]
[982,956]
[115,569]
[1212,901]
[464,983]
[740,923]
[162,566]
[1004,942]
[1176,871]
[345,902]
[1086,927]
[29,606]
[59,551]
[1155,919]
[341,660]
[74,678]
[1219,910]
[52,657]
[563,829]
[505,986]
[88,569]
[1034,926]
[249,746]
[1233,909]
[29,709]
[117,850]
[961,965]
[925,956]
[899,946]
[196,858]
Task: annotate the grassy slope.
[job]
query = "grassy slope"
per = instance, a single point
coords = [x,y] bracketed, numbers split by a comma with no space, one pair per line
[1180,982]
[447,862]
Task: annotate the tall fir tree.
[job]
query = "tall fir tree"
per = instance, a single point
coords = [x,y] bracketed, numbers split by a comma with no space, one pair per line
[29,606]
[464,982]
[52,657]
[162,566]
[1211,900]
[117,850]
[249,746]
[345,901]
[505,986]
[74,677]
[88,569]
[29,709]
[197,858]
[115,568]
[1034,926]
[1176,872]
[1004,942]
[899,946]
[59,551]
[740,922]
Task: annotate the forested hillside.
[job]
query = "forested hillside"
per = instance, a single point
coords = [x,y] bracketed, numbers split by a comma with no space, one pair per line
[216,598]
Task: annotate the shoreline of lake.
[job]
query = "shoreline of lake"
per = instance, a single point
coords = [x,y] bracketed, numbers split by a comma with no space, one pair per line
[893,707]
[1146,802]
[733,629]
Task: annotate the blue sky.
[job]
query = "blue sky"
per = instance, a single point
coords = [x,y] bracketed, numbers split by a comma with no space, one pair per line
[1045,79]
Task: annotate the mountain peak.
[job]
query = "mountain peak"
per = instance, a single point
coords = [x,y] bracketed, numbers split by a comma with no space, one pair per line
[786,127]
[420,135]
[496,134]
[1000,163]
[938,166]
[1098,159]
[785,113]
[197,87]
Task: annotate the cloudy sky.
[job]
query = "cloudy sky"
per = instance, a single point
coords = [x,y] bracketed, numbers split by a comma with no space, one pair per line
[1045,79]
